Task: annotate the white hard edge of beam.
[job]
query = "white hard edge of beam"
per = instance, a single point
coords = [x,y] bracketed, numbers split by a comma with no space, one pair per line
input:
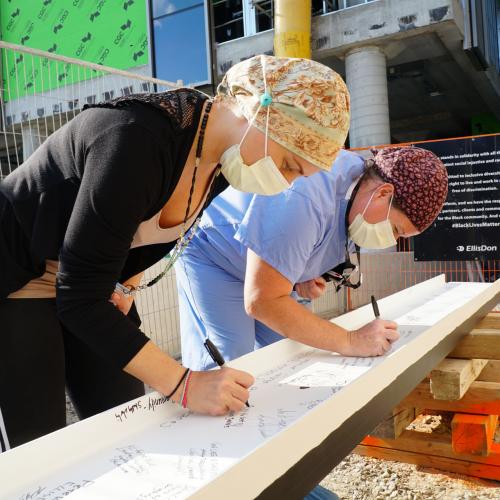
[40,459]
[259,469]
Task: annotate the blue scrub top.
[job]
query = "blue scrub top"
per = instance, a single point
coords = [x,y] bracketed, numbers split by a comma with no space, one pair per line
[300,232]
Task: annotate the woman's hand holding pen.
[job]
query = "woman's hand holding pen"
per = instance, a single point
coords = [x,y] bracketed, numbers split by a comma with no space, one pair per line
[213,392]
[373,339]
[217,392]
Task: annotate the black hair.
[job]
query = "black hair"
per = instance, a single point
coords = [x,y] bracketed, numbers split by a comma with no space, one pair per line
[371,174]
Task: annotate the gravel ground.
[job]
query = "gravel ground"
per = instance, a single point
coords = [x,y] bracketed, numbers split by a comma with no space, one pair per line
[368,478]
[365,478]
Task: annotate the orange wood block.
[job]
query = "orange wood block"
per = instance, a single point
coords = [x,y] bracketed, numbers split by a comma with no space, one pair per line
[483,470]
[431,445]
[473,434]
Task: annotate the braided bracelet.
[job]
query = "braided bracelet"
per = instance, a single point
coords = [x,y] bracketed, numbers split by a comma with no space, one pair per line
[178,384]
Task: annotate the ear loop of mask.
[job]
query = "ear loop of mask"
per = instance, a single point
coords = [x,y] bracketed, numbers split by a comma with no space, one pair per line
[390,206]
[369,201]
[368,204]
[263,64]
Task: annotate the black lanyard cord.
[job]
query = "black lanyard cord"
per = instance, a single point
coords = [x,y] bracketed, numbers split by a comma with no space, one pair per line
[342,272]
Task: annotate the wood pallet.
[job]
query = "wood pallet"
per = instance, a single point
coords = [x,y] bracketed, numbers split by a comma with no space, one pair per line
[465,389]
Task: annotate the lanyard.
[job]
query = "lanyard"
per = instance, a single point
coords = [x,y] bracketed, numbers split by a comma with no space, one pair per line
[341,273]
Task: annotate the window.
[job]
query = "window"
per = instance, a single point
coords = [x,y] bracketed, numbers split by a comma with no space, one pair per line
[108,95]
[320,7]
[181,45]
[238,18]
[345,4]
[166,7]
[264,15]
[127,90]
[73,104]
[228,19]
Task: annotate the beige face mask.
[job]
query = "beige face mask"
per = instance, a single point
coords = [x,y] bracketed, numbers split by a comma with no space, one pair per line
[372,236]
[262,177]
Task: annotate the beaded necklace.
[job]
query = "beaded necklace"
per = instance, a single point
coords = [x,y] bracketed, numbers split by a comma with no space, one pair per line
[184,238]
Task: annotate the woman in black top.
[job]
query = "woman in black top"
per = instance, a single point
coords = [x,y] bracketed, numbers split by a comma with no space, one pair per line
[79,201]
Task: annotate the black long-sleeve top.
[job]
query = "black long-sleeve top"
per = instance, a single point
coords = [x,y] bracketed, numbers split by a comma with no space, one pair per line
[80,198]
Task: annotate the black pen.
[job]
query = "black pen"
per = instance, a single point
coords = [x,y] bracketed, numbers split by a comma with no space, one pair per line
[375,308]
[216,356]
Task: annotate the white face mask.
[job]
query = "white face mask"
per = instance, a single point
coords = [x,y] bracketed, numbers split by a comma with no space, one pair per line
[372,236]
[263,176]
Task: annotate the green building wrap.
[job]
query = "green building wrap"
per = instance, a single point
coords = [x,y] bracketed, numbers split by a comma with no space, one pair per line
[108,32]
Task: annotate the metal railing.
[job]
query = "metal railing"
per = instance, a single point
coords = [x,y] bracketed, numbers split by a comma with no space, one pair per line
[42,91]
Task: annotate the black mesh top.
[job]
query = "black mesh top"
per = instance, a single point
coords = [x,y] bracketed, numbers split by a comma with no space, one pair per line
[79,199]
[179,104]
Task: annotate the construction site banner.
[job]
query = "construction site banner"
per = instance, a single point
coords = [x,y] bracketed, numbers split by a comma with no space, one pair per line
[108,32]
[468,228]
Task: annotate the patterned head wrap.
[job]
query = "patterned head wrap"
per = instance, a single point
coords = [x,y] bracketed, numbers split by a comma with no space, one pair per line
[419,178]
[307,104]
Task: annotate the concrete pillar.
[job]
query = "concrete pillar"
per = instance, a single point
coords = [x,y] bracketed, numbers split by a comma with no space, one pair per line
[31,140]
[366,77]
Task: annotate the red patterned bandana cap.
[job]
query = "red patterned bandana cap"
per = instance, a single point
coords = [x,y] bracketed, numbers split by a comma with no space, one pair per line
[419,178]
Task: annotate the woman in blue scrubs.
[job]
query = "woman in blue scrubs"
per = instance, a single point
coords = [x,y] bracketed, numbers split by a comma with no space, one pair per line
[236,278]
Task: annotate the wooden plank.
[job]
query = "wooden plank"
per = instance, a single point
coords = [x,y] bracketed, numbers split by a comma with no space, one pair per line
[435,444]
[476,469]
[491,372]
[478,344]
[473,434]
[490,321]
[452,377]
[482,398]
[395,423]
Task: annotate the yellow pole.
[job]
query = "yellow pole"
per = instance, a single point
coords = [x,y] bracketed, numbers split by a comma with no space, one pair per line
[292,28]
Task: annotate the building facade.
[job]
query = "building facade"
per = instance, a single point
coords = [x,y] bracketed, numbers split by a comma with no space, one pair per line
[416,70]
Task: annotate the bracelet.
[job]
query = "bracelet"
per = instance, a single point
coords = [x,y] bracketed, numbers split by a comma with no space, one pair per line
[185,391]
[178,384]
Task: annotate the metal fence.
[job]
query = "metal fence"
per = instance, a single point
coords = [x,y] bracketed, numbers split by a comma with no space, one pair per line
[40,92]
[389,272]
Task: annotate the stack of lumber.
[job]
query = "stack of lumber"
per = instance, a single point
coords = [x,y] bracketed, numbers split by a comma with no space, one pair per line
[466,387]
